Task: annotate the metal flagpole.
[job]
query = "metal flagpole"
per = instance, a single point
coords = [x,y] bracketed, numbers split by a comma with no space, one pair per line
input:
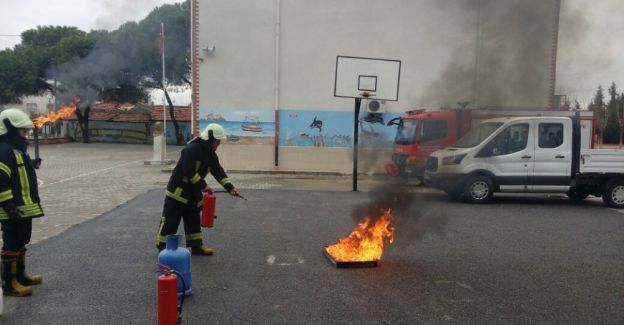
[162,33]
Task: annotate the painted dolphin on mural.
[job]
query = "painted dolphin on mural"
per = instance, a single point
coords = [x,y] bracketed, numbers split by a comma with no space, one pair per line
[317,124]
[373,118]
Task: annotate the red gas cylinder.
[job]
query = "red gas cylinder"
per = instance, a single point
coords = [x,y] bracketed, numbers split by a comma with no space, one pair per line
[208,211]
[167,299]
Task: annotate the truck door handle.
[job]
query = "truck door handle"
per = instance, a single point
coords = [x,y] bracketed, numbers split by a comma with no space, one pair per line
[526,157]
[559,156]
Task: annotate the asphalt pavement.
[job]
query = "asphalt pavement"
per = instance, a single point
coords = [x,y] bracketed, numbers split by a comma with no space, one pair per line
[522,259]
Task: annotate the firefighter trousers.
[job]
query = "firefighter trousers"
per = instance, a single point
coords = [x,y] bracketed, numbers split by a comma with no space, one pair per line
[16,234]
[173,213]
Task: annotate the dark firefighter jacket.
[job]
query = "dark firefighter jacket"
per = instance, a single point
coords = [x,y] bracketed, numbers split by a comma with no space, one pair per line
[187,179]
[18,184]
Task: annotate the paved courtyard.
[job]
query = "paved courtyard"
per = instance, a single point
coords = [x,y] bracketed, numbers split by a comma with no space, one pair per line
[521,259]
[80,181]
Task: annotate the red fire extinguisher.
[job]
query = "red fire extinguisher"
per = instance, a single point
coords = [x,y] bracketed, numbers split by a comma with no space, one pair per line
[169,313]
[208,210]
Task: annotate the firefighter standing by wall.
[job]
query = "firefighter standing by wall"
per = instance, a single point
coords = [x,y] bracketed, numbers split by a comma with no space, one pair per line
[19,201]
[184,194]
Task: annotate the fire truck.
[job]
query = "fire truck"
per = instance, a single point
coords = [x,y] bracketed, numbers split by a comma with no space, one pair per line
[421,132]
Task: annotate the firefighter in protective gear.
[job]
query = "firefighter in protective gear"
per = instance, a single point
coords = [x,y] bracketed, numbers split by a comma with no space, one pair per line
[19,201]
[184,194]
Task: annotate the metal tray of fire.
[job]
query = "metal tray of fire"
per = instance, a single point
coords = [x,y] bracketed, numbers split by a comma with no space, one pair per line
[349,264]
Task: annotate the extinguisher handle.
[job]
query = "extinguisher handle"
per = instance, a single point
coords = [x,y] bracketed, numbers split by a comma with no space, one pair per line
[164,267]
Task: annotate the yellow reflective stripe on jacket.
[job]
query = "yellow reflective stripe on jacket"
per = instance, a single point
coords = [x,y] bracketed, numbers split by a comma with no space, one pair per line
[6,195]
[18,157]
[197,164]
[225,181]
[196,178]
[177,195]
[195,236]
[5,169]
[160,238]
[27,211]
[23,178]
[30,210]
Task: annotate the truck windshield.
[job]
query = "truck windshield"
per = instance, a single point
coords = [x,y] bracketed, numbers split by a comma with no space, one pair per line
[405,132]
[478,134]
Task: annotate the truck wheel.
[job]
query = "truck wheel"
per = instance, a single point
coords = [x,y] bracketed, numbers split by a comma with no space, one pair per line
[614,194]
[577,195]
[479,189]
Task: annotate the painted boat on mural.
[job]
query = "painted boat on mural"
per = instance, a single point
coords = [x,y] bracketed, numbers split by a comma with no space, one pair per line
[251,124]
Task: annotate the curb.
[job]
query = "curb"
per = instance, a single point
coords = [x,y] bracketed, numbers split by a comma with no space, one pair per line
[288,172]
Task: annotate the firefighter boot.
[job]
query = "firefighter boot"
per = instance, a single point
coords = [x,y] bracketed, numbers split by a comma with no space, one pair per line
[10,285]
[22,277]
[202,250]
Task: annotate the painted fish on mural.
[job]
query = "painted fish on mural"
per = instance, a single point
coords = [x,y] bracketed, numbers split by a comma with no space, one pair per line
[317,124]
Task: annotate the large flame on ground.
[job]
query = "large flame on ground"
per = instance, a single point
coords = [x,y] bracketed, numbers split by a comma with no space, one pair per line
[366,241]
[63,112]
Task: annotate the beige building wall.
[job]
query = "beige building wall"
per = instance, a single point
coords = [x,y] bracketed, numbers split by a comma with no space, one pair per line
[317,160]
[281,54]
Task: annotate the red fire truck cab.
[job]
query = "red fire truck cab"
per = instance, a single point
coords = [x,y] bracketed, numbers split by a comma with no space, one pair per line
[419,133]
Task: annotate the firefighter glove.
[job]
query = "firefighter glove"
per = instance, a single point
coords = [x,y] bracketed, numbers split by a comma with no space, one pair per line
[37,163]
[14,214]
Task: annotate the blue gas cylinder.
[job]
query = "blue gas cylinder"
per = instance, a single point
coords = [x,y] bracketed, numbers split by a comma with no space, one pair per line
[179,259]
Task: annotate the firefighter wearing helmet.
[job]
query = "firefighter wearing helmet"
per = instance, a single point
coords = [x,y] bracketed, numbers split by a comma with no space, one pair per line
[19,201]
[184,194]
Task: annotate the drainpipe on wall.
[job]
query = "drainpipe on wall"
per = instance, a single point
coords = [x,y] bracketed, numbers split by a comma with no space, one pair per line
[194,68]
[553,57]
[277,80]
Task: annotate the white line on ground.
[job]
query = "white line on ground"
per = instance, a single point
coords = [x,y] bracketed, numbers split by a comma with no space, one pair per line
[91,173]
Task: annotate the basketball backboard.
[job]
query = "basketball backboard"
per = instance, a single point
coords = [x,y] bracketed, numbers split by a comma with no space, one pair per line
[367,78]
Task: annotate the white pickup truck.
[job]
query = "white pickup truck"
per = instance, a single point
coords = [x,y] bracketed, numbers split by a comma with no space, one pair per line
[527,155]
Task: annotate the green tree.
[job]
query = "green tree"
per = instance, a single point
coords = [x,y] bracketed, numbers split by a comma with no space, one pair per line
[176,20]
[23,68]
[612,128]
[122,65]
[597,106]
[620,110]
[125,64]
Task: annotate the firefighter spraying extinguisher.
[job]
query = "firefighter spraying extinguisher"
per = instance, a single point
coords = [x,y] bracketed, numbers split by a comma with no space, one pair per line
[169,312]
[208,208]
[186,186]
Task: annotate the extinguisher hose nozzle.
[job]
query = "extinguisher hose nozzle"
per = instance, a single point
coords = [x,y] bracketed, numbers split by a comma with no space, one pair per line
[181,277]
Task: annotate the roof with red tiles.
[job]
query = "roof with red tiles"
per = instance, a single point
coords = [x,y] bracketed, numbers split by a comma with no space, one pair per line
[128,112]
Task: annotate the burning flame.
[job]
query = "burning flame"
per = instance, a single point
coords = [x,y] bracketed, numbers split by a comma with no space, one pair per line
[63,112]
[366,241]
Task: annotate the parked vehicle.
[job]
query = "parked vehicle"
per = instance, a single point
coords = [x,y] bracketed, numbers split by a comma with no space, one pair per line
[527,155]
[421,132]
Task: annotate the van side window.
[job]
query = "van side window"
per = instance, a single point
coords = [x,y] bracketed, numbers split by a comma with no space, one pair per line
[512,139]
[550,135]
[433,129]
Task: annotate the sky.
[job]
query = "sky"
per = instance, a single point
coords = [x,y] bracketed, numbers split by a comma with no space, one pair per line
[589,52]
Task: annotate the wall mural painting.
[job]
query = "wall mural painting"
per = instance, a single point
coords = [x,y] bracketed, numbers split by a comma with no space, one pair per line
[242,126]
[300,128]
